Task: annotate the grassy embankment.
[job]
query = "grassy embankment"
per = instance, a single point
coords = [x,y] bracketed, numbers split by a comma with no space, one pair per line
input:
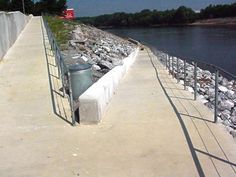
[61,28]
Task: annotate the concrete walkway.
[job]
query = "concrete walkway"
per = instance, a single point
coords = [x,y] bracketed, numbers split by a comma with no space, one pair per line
[150,129]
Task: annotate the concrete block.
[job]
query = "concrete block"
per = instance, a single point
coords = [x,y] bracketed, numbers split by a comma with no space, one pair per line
[93,102]
[91,106]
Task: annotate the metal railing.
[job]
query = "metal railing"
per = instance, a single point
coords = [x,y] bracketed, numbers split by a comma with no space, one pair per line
[178,69]
[63,71]
[175,66]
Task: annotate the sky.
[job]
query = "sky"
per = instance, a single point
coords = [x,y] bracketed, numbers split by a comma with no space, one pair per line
[99,7]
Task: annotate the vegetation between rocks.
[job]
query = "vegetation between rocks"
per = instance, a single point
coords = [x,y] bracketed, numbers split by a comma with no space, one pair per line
[61,28]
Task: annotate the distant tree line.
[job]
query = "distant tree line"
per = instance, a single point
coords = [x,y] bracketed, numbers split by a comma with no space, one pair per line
[55,7]
[217,11]
[182,15]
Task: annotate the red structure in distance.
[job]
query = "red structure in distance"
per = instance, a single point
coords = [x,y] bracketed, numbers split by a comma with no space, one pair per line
[68,14]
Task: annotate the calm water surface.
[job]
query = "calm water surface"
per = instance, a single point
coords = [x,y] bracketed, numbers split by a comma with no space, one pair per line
[216,45]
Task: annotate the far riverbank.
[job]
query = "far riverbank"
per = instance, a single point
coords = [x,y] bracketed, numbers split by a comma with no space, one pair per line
[229,21]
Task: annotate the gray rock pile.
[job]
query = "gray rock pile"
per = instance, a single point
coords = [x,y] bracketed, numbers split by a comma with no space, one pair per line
[206,90]
[102,50]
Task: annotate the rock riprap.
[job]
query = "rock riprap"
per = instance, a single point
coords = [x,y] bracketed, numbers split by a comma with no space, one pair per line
[206,89]
[101,49]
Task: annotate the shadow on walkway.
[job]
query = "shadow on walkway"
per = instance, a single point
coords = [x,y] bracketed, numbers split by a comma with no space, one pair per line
[60,103]
[183,107]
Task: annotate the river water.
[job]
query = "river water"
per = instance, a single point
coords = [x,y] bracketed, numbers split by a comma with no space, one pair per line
[215,45]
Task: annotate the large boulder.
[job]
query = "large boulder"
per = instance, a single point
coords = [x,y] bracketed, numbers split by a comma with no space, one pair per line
[226,104]
[223,89]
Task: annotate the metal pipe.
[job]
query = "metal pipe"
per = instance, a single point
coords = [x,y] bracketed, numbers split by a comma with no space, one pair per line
[51,40]
[62,75]
[185,74]
[58,59]
[172,66]
[177,70]
[58,62]
[71,101]
[165,56]
[53,45]
[195,80]
[169,63]
[166,60]
[23,6]
[216,95]
[63,79]
[63,82]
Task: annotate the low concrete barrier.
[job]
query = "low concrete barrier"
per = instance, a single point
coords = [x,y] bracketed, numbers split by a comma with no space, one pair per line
[11,25]
[94,101]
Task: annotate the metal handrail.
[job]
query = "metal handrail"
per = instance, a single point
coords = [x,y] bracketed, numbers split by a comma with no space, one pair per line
[63,70]
[196,61]
[169,63]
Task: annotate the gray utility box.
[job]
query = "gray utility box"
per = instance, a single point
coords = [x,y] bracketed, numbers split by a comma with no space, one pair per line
[81,79]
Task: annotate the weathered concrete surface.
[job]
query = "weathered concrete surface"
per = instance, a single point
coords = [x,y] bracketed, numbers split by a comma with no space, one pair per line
[140,134]
[11,25]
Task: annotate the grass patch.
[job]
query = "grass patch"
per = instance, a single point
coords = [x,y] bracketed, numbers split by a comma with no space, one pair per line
[61,28]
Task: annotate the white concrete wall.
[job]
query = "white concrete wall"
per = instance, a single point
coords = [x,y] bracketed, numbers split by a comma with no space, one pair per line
[11,25]
[94,101]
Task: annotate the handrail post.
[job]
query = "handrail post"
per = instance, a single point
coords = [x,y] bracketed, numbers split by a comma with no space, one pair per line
[177,70]
[63,71]
[169,63]
[71,100]
[185,74]
[52,44]
[216,95]
[195,80]
[166,60]
[51,39]
[172,67]
[63,79]
[57,58]
[62,74]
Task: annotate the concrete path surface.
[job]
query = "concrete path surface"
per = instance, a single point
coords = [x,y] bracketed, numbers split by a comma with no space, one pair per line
[151,128]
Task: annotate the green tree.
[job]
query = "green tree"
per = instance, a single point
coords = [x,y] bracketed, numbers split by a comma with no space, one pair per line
[53,6]
[16,5]
[216,11]
[184,15]
[5,5]
[60,6]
